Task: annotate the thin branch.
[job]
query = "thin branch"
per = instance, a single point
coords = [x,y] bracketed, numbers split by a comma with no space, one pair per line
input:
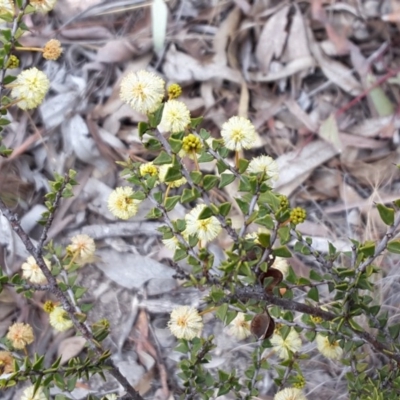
[66,304]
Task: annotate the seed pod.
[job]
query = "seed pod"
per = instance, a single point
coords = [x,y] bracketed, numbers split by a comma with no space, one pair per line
[274,277]
[262,326]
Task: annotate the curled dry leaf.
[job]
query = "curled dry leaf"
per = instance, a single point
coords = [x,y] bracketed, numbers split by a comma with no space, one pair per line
[262,326]
[271,279]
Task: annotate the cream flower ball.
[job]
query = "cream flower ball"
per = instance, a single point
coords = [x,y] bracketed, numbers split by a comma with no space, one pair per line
[59,320]
[121,204]
[175,117]
[238,133]
[30,88]
[185,323]
[205,229]
[283,347]
[32,272]
[143,91]
[327,349]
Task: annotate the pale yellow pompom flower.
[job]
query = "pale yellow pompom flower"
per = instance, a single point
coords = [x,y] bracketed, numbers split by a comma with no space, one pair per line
[20,335]
[7,6]
[175,117]
[290,394]
[32,272]
[205,229]
[284,347]
[162,172]
[185,323]
[238,133]
[59,320]
[52,50]
[121,204]
[82,249]
[327,349]
[240,327]
[43,6]
[171,243]
[265,164]
[30,88]
[281,265]
[28,394]
[143,91]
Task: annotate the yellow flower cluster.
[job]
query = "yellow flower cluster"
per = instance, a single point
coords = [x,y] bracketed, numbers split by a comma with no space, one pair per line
[283,202]
[148,169]
[174,91]
[298,215]
[191,144]
[13,62]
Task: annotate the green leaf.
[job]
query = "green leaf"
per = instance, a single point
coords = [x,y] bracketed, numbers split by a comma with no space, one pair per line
[355,326]
[315,276]
[195,122]
[221,312]
[284,234]
[187,196]
[282,251]
[155,118]
[143,127]
[163,158]
[179,255]
[205,213]
[394,331]
[196,176]
[243,205]
[394,246]
[171,202]
[264,239]
[224,209]
[243,164]
[175,144]
[205,157]
[210,181]
[204,134]
[226,179]
[313,294]
[173,174]
[386,214]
